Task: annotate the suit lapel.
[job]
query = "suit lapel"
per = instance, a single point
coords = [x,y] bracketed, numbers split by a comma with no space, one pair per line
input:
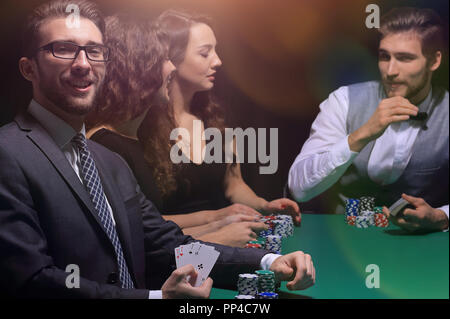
[40,137]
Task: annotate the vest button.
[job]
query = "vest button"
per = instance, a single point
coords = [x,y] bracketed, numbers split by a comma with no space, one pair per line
[113,278]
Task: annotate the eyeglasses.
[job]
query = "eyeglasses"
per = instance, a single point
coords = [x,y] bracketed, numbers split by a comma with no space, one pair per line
[69,51]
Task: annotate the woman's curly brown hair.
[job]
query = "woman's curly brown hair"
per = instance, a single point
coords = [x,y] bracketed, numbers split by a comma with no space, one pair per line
[134,73]
[155,130]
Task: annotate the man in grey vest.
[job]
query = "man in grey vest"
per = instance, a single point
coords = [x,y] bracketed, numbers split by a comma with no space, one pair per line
[387,139]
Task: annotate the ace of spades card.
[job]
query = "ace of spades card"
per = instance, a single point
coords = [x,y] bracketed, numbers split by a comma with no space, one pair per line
[202,257]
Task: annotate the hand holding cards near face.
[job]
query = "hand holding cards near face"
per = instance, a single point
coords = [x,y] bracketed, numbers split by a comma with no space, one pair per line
[201,256]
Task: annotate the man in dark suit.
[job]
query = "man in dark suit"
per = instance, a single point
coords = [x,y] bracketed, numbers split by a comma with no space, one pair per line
[67,201]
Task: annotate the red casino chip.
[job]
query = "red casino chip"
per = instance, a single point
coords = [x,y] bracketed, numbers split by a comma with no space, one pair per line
[253,246]
[381,220]
[351,220]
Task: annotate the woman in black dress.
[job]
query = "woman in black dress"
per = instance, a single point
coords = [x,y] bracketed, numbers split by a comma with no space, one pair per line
[195,192]
[138,77]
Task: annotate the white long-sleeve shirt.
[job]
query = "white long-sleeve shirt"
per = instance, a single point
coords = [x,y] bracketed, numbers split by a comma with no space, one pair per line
[326,154]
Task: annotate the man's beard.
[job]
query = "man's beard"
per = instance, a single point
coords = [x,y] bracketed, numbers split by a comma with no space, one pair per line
[414,91]
[70,104]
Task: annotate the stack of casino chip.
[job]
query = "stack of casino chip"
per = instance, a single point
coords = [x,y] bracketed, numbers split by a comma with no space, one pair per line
[266,280]
[244,297]
[366,203]
[248,284]
[252,245]
[265,233]
[362,221]
[363,213]
[273,243]
[281,228]
[351,220]
[267,295]
[288,224]
[378,210]
[370,215]
[351,210]
[261,242]
[381,220]
[268,220]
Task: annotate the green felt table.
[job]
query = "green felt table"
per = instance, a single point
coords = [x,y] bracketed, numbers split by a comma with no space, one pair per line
[410,265]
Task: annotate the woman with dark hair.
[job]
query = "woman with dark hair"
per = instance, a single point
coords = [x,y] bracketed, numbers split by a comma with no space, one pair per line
[137,79]
[137,76]
[196,193]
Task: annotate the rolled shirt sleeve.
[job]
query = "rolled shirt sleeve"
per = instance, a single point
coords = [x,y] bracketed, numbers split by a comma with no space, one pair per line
[326,155]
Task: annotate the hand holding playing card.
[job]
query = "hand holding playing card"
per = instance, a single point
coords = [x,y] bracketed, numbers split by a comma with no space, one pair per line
[202,257]
[178,286]
[422,217]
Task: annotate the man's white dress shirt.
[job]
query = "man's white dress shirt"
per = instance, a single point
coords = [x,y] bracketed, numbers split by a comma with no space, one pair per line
[326,154]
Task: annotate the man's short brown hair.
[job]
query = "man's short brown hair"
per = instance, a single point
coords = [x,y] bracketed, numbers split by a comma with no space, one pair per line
[426,23]
[56,9]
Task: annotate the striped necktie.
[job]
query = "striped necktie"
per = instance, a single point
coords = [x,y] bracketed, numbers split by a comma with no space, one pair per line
[91,179]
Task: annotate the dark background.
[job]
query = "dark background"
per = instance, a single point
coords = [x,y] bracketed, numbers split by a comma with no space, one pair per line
[281,58]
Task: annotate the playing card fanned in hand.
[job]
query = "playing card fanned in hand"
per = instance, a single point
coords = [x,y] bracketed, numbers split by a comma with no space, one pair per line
[202,257]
